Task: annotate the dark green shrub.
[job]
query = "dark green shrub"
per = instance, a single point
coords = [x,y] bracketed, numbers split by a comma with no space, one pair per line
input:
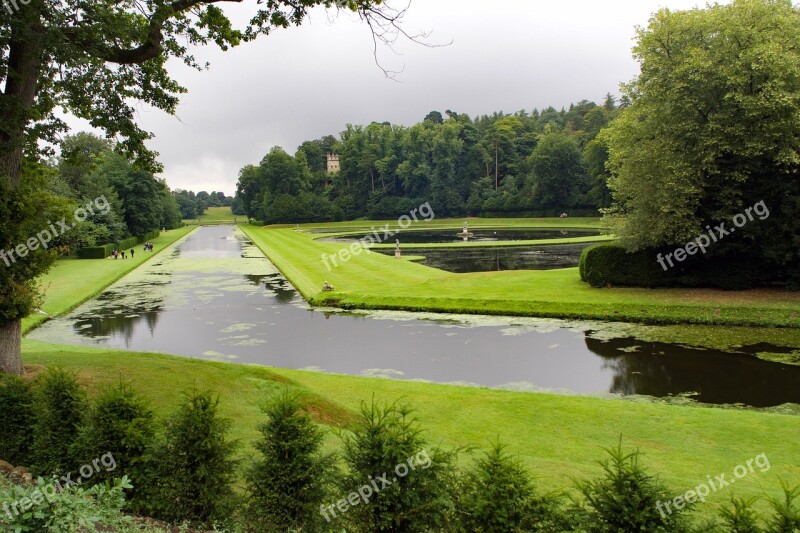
[403,484]
[288,481]
[120,424]
[126,244]
[60,404]
[149,236]
[740,517]
[611,264]
[786,518]
[190,471]
[16,410]
[627,498]
[498,494]
[96,252]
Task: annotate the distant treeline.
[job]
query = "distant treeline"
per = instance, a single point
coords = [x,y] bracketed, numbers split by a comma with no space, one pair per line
[88,168]
[192,204]
[543,162]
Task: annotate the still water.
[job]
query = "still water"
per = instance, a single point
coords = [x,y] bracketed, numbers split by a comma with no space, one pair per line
[215,296]
[477,235]
[491,259]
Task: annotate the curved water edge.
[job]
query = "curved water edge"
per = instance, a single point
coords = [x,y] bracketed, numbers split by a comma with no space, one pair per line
[216,296]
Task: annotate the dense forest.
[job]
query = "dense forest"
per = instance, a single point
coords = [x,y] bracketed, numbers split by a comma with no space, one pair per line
[88,168]
[526,163]
[192,204]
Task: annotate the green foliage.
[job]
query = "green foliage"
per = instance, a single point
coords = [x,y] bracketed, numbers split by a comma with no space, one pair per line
[740,517]
[626,499]
[96,252]
[127,244]
[558,172]
[711,129]
[288,481]
[60,405]
[42,508]
[24,212]
[149,236]
[121,424]
[190,471]
[612,264]
[786,517]
[16,406]
[498,494]
[386,441]
[498,164]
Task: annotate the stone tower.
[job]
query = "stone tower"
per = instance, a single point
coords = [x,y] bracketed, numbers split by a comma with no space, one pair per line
[333,163]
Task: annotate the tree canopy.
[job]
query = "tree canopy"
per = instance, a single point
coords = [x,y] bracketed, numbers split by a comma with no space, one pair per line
[98,61]
[713,127]
[540,162]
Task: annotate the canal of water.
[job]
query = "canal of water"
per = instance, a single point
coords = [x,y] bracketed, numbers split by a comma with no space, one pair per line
[214,295]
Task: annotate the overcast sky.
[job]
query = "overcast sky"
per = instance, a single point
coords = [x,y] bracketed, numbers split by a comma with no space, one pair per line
[303,83]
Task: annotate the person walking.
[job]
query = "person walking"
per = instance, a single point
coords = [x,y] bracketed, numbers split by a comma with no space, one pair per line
[132,251]
[123,253]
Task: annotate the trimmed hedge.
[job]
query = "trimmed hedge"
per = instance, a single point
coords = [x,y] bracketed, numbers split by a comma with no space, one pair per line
[609,264]
[103,251]
[128,243]
[96,252]
[150,235]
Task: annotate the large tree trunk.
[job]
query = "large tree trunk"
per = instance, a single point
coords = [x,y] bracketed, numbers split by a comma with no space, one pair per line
[10,346]
[18,98]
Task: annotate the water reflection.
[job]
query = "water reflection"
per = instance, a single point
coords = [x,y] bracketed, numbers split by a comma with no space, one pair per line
[495,259]
[217,297]
[476,235]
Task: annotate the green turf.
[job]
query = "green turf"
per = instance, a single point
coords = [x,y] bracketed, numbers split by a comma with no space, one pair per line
[73,281]
[349,230]
[558,437]
[216,215]
[376,281]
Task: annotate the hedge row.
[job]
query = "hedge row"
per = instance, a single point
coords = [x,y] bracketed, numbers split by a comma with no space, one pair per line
[610,264]
[149,236]
[96,252]
[103,251]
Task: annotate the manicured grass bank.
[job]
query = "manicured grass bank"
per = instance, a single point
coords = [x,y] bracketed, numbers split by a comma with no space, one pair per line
[73,281]
[558,437]
[376,281]
[216,215]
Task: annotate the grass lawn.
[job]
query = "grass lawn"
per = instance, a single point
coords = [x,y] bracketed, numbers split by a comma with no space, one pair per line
[558,437]
[377,281]
[73,281]
[216,215]
[344,229]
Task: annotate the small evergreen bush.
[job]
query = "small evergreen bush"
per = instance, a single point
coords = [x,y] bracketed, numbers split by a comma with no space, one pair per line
[59,406]
[288,481]
[626,499]
[190,470]
[403,483]
[498,494]
[121,424]
[16,410]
